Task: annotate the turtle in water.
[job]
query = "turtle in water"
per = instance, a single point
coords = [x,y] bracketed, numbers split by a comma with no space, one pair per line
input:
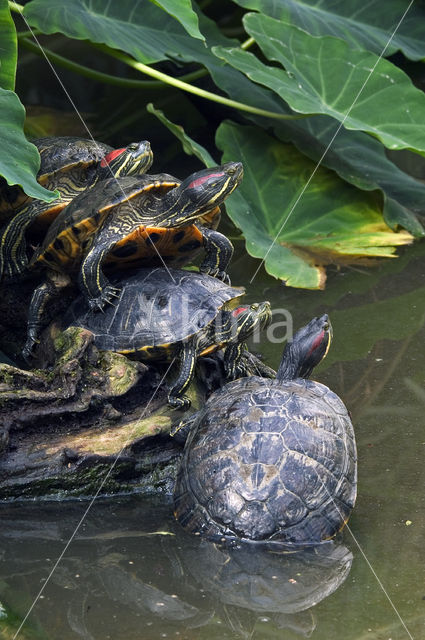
[134,220]
[70,165]
[172,314]
[270,460]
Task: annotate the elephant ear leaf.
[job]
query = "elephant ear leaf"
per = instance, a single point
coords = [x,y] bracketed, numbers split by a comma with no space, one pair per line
[9,48]
[298,219]
[19,160]
[148,31]
[360,26]
[323,75]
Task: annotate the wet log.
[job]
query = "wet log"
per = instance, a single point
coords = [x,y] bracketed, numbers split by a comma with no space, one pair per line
[92,422]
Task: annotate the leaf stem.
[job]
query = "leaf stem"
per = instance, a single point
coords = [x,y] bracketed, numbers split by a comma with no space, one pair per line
[202,93]
[14,6]
[248,43]
[99,76]
[153,73]
[29,33]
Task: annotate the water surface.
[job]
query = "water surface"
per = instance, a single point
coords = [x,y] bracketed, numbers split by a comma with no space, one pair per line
[132,573]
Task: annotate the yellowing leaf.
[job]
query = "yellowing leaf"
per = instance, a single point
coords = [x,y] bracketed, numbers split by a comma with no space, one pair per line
[297,223]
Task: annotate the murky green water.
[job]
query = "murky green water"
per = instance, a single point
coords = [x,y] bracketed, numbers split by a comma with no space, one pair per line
[131,573]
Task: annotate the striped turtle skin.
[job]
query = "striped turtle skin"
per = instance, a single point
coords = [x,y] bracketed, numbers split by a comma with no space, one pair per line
[136,221]
[119,204]
[139,221]
[272,461]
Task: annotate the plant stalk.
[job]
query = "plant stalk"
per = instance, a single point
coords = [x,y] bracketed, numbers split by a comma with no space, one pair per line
[99,76]
[14,6]
[202,93]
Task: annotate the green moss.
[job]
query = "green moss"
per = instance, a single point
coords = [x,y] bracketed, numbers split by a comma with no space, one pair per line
[70,343]
[6,376]
[122,373]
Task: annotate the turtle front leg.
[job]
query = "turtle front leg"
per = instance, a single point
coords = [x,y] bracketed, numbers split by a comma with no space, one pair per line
[92,281]
[188,354]
[41,296]
[219,251]
[233,366]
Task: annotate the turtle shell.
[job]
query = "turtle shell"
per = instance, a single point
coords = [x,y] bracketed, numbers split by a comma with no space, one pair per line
[72,232]
[74,229]
[157,310]
[269,461]
[63,153]
[58,155]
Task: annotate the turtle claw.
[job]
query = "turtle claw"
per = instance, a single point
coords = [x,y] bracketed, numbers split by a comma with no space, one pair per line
[216,273]
[107,297]
[224,277]
[182,402]
[27,351]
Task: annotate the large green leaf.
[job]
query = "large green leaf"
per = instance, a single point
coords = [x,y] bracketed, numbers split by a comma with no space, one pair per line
[323,75]
[357,157]
[362,161]
[311,135]
[139,28]
[8,47]
[363,25]
[298,229]
[19,160]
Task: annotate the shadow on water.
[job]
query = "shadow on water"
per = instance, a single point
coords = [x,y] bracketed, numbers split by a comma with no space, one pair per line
[132,573]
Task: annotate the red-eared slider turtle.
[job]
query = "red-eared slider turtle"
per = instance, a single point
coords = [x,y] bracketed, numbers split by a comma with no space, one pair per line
[56,154]
[271,460]
[69,165]
[166,314]
[133,220]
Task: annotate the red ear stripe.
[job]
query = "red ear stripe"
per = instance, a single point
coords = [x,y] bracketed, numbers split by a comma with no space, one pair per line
[110,156]
[239,310]
[199,181]
[316,343]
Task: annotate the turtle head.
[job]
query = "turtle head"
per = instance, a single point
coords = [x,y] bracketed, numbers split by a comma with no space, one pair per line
[307,348]
[202,191]
[247,319]
[132,160]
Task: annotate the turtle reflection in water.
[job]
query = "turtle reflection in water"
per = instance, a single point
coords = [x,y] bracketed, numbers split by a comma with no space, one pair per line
[174,582]
[270,460]
[282,586]
[172,314]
